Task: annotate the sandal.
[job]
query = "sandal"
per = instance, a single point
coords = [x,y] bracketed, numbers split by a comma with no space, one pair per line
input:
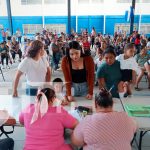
[137,89]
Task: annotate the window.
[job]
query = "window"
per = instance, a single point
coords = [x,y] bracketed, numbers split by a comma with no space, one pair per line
[124,27]
[58,27]
[97,1]
[32,28]
[145,28]
[31,2]
[1,26]
[55,1]
[37,28]
[83,1]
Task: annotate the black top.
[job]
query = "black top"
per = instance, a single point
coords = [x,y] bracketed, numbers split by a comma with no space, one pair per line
[126,75]
[78,75]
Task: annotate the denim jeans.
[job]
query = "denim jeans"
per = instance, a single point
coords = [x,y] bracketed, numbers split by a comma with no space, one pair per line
[6,144]
[56,59]
[31,91]
[80,89]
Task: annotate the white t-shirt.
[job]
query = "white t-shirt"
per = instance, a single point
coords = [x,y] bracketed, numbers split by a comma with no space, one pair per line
[3,116]
[148,45]
[98,62]
[129,63]
[35,70]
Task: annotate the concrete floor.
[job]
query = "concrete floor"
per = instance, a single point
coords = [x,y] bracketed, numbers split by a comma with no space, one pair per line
[19,134]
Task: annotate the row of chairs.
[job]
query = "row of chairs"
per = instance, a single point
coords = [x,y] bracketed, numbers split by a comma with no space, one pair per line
[1,72]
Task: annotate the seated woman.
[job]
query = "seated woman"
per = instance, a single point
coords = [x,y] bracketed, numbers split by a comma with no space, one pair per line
[141,59]
[45,123]
[15,49]
[109,73]
[106,129]
[78,72]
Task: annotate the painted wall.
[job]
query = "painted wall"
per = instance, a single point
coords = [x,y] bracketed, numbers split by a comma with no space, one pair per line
[83,21]
[88,15]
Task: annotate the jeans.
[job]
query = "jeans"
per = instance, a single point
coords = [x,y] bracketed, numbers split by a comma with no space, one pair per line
[19,39]
[31,90]
[7,144]
[56,59]
[80,89]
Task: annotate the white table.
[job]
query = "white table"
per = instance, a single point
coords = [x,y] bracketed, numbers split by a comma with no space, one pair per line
[143,122]
[15,105]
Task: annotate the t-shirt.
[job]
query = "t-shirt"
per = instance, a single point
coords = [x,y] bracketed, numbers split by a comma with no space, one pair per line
[111,74]
[142,60]
[129,63]
[98,62]
[35,71]
[3,116]
[106,131]
[46,133]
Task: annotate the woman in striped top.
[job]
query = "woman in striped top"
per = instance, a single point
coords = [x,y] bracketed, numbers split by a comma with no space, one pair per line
[106,129]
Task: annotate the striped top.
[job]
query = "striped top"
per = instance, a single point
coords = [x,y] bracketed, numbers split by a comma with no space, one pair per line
[106,131]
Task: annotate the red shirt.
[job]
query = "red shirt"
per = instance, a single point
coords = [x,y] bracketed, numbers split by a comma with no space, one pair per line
[86,45]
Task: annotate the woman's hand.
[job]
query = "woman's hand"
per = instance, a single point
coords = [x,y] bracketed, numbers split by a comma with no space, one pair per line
[15,93]
[70,98]
[88,96]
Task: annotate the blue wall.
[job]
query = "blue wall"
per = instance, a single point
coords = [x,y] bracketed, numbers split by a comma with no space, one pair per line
[83,21]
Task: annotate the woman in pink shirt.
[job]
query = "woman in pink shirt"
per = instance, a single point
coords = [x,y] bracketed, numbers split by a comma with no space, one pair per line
[45,123]
[106,129]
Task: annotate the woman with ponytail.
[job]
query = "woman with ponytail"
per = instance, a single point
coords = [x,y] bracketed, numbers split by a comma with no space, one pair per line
[45,123]
[35,67]
[105,129]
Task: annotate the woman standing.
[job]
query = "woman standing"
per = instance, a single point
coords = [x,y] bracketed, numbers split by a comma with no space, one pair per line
[78,72]
[35,67]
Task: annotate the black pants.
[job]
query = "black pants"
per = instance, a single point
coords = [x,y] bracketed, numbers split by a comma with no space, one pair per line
[3,56]
[13,53]
[7,144]
[19,39]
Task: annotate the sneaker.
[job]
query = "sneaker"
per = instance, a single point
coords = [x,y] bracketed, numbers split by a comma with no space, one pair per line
[125,95]
[3,67]
[137,89]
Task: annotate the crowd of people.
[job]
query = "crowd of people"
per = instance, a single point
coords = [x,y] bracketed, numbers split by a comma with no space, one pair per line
[115,63]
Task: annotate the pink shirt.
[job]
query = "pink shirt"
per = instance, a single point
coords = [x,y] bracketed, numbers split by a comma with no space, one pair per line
[106,131]
[46,133]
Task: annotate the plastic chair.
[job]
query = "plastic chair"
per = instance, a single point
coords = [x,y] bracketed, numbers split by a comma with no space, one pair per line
[1,72]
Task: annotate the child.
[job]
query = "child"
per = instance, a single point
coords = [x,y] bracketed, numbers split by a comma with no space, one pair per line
[129,67]
[58,87]
[98,61]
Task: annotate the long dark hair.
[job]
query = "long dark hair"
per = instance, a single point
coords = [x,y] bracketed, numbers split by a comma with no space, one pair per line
[104,98]
[35,48]
[109,50]
[49,93]
[73,45]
